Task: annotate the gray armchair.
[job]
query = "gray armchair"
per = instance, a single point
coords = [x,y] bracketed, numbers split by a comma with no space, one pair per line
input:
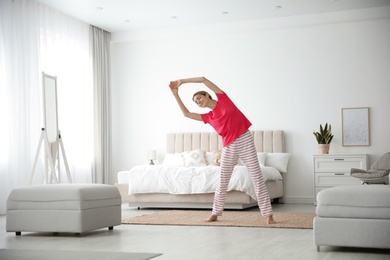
[377,174]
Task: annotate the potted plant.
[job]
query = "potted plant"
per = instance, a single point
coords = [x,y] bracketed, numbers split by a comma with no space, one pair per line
[324,137]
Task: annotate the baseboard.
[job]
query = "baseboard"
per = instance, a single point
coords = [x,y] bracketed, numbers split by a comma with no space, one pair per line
[299,200]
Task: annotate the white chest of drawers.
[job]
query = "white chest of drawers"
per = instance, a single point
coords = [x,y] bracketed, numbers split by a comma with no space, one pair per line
[334,170]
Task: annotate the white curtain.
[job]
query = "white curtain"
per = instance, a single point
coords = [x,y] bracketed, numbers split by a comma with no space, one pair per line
[100,45]
[36,39]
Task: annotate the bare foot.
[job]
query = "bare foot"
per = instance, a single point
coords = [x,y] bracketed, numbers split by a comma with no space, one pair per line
[270,220]
[211,218]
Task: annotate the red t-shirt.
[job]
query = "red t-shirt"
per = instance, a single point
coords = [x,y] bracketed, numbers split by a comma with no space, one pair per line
[227,119]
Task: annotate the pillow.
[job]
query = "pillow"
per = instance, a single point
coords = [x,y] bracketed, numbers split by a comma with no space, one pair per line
[173,159]
[262,157]
[217,158]
[195,158]
[210,158]
[240,162]
[278,160]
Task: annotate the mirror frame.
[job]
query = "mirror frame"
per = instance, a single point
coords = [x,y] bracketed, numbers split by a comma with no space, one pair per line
[50,113]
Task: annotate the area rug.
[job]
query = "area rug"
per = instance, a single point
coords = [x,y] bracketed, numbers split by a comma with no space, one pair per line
[229,219]
[26,254]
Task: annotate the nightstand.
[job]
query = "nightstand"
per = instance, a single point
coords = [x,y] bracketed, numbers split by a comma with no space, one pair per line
[334,170]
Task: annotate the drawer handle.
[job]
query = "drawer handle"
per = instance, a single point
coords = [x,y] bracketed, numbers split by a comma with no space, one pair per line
[339,159]
[339,174]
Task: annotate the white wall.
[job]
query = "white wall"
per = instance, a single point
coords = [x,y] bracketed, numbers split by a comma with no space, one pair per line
[291,73]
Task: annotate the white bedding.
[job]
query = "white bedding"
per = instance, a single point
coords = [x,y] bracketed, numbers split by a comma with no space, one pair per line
[189,180]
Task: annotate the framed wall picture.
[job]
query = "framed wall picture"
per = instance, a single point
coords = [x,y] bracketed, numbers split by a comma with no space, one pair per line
[356,126]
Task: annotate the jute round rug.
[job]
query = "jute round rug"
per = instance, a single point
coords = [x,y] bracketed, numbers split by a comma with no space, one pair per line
[229,219]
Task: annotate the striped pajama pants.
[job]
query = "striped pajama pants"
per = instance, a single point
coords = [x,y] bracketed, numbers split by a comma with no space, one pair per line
[243,148]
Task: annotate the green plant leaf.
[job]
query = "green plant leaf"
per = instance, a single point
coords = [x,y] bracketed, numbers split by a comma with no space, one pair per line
[324,136]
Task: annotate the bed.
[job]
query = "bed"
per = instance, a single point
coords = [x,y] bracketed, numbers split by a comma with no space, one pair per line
[187,178]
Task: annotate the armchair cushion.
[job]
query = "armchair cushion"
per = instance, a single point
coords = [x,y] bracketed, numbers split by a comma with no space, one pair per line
[378,173]
[361,174]
[383,163]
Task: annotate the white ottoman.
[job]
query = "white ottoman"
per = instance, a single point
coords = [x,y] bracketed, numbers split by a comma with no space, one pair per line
[75,208]
[353,216]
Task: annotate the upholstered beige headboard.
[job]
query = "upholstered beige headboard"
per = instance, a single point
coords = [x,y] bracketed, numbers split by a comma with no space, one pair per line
[265,141]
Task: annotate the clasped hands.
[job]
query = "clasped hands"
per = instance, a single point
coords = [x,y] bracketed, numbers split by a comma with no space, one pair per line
[174,84]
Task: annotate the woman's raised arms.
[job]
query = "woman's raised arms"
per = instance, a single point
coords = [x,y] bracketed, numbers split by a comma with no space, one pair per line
[174,86]
[205,81]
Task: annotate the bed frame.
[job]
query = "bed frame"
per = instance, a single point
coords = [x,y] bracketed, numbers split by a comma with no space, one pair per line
[265,141]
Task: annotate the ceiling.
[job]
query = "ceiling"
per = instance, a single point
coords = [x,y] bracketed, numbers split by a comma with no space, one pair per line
[135,15]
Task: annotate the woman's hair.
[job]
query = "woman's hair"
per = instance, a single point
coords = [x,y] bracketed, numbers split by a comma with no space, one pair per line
[202,92]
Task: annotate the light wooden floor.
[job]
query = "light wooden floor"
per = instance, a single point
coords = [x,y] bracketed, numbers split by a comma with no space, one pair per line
[180,242]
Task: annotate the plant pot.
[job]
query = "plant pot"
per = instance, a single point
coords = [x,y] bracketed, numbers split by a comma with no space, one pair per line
[323,148]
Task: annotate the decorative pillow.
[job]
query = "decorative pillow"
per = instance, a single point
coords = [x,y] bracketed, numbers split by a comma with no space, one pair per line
[262,157]
[210,158]
[278,160]
[195,158]
[217,158]
[173,159]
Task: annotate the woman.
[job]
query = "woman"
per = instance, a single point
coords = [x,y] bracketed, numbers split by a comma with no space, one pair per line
[232,125]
